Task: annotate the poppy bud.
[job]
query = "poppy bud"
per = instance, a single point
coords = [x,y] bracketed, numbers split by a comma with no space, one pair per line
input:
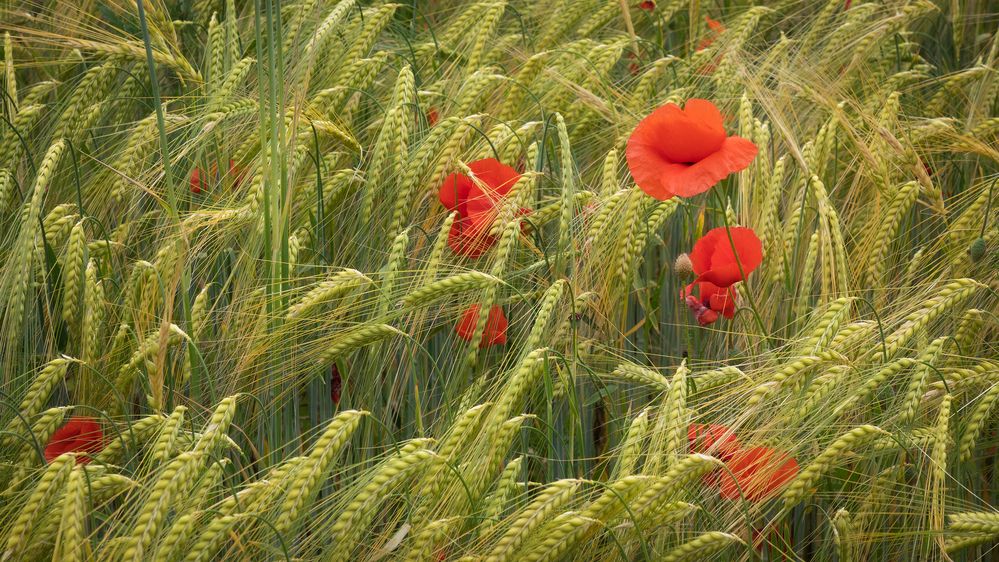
[683,267]
[977,250]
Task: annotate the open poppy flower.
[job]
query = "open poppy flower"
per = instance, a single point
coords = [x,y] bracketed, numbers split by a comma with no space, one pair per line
[757,474]
[684,151]
[476,205]
[715,261]
[707,300]
[197,182]
[79,435]
[496,325]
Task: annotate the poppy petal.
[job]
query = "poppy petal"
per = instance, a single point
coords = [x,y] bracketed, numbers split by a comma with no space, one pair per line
[497,176]
[495,330]
[715,261]
[454,190]
[687,180]
[757,474]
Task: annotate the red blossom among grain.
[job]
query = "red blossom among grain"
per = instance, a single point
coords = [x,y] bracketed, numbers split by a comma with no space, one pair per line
[496,325]
[715,29]
[725,254]
[198,183]
[685,151]
[757,474]
[647,5]
[476,203]
[79,435]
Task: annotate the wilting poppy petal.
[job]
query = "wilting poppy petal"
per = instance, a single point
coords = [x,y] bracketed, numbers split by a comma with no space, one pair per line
[684,152]
[715,262]
[79,435]
[496,325]
[757,473]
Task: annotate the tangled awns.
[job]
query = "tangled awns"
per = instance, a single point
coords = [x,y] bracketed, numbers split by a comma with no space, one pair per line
[499,280]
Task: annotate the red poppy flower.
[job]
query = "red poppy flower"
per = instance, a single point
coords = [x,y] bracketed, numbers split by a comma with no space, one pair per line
[686,151]
[647,5]
[336,384]
[197,183]
[715,28]
[433,116]
[757,474]
[476,205]
[714,439]
[496,325]
[79,435]
[715,261]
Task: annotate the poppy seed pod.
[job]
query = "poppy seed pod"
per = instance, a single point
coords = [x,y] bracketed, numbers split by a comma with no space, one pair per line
[977,250]
[683,267]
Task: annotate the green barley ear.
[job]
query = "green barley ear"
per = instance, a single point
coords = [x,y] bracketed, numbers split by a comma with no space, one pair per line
[74,262]
[547,502]
[496,502]
[153,512]
[950,296]
[9,77]
[352,524]
[890,221]
[71,544]
[163,447]
[312,471]
[391,149]
[631,448]
[844,535]
[45,491]
[799,488]
[355,338]
[37,394]
[703,545]
[333,288]
[448,287]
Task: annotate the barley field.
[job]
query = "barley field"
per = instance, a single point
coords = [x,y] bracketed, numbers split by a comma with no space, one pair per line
[501,280]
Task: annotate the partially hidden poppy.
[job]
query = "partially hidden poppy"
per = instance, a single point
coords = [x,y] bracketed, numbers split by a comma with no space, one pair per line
[79,435]
[712,439]
[198,182]
[757,474]
[715,29]
[496,325]
[476,202]
[647,5]
[724,254]
[433,116]
[685,151]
